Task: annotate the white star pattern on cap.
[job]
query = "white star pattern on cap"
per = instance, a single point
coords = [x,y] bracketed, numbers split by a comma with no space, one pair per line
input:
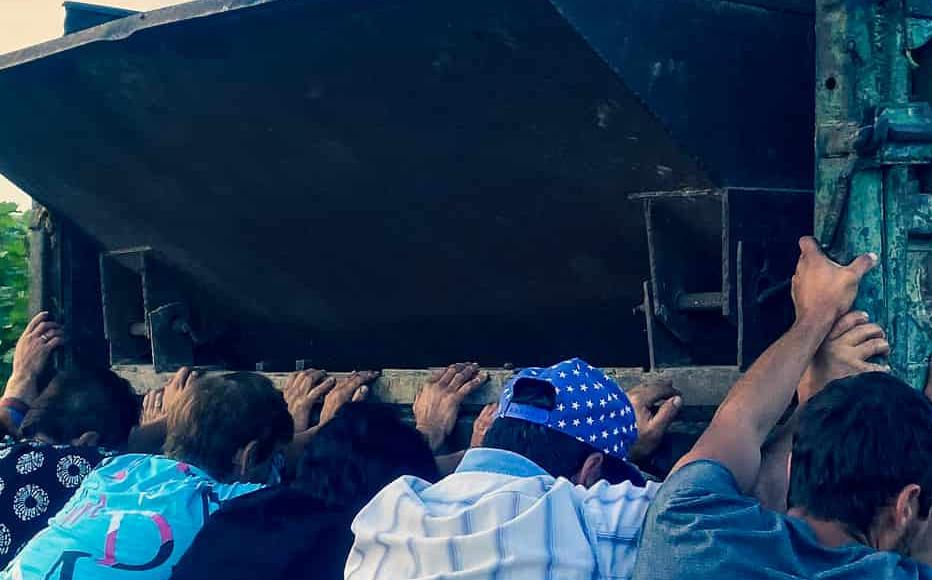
[606,418]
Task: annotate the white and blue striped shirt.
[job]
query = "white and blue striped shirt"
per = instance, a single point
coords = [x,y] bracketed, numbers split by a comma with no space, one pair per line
[499,516]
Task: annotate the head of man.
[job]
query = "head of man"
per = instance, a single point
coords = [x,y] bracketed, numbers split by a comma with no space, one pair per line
[363,449]
[234,426]
[862,459]
[567,419]
[83,407]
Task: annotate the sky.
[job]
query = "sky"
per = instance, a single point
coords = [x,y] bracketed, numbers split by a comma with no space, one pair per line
[27,22]
[22,23]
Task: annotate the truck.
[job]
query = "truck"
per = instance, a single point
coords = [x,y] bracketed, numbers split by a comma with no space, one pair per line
[285,184]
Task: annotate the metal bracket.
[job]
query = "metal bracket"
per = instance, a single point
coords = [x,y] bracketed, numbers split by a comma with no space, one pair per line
[146,317]
[898,135]
[707,301]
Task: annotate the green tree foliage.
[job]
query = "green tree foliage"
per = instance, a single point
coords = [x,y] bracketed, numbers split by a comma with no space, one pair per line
[14,283]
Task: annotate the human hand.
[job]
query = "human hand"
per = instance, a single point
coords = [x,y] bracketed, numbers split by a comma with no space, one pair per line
[437,403]
[822,290]
[482,424]
[655,406]
[845,352]
[183,378]
[153,409]
[33,349]
[303,390]
[352,388]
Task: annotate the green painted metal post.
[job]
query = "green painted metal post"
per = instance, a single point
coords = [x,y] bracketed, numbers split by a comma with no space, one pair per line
[873,137]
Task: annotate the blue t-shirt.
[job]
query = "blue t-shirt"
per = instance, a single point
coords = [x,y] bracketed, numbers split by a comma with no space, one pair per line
[132,518]
[700,525]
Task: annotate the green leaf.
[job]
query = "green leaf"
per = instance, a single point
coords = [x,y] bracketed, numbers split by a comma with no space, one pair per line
[14,282]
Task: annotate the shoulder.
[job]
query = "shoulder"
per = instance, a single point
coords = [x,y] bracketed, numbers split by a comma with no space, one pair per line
[704,495]
[406,489]
[700,479]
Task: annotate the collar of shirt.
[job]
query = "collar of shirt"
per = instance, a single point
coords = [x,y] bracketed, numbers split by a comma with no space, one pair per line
[499,461]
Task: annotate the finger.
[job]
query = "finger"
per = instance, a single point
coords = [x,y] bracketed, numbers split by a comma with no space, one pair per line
[863,333]
[873,347]
[448,375]
[192,378]
[654,392]
[358,379]
[809,246]
[290,381]
[181,375]
[300,386]
[36,320]
[866,367]
[322,389]
[665,414]
[369,376]
[313,378]
[847,322]
[45,328]
[489,411]
[53,333]
[56,342]
[464,375]
[473,384]
[360,394]
[863,264]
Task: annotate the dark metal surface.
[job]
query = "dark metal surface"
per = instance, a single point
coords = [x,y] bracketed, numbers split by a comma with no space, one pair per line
[731,81]
[408,182]
[81,15]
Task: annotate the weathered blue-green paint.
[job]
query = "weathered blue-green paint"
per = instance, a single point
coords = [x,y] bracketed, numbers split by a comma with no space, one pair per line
[874,138]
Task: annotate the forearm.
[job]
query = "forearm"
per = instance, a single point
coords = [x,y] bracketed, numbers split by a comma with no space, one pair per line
[773,482]
[757,401]
[296,449]
[433,435]
[762,395]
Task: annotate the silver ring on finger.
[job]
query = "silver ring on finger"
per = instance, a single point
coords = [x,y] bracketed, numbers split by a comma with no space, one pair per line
[44,337]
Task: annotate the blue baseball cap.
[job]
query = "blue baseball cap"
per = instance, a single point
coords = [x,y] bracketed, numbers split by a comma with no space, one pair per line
[589,406]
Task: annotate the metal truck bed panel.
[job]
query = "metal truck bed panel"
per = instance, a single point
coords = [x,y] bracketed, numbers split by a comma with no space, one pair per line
[405,182]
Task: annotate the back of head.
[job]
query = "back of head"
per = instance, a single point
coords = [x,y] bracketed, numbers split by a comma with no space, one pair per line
[83,401]
[858,444]
[556,453]
[220,415]
[363,449]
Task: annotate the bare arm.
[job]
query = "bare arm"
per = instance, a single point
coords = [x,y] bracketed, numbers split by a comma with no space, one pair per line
[846,351]
[822,292]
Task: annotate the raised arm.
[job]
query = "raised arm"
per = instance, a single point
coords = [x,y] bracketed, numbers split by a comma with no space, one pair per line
[847,351]
[30,360]
[822,292]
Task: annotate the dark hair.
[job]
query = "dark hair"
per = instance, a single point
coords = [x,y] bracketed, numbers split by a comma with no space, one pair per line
[220,414]
[79,401]
[363,449]
[556,453]
[858,444]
